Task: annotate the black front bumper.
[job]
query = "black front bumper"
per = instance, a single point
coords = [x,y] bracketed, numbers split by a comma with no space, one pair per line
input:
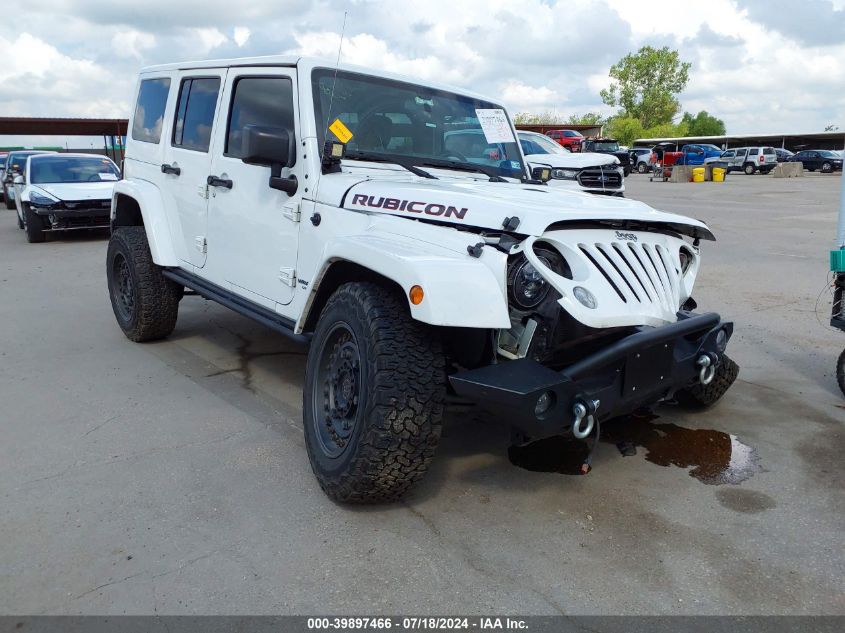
[63,219]
[638,370]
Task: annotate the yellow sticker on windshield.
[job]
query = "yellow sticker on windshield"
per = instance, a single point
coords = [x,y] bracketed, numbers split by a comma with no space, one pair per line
[340,131]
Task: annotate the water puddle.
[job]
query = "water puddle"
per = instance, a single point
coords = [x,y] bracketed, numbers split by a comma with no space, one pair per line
[712,457]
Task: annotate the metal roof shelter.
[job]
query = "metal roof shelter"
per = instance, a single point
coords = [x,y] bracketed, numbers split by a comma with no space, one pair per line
[107,128]
[790,141]
[586,130]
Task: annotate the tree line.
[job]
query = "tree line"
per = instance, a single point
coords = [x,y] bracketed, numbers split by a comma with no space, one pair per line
[644,87]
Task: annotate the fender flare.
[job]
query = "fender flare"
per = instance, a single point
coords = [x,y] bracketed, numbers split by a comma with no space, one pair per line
[149,200]
[460,290]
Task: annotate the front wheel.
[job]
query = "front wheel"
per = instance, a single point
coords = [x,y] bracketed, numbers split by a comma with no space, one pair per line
[33,225]
[840,372]
[144,301]
[642,168]
[10,204]
[702,396]
[375,387]
[827,168]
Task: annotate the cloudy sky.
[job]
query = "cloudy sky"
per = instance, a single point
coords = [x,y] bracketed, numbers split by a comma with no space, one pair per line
[761,65]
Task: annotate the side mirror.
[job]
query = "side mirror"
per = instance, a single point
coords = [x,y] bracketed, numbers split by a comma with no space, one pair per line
[18,180]
[273,147]
[543,174]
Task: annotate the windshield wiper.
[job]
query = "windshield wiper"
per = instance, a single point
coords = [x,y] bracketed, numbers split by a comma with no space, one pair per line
[377,158]
[453,164]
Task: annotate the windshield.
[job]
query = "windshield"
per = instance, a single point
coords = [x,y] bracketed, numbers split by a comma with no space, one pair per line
[55,169]
[414,124]
[826,154]
[606,146]
[539,144]
[2,161]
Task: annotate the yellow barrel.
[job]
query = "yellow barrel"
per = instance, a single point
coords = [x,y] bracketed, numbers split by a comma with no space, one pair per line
[698,174]
[718,174]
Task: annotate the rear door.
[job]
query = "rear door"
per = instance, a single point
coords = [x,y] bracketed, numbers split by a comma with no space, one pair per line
[187,156]
[253,230]
[769,157]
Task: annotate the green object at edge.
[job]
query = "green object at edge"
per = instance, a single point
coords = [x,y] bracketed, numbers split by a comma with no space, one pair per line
[837,261]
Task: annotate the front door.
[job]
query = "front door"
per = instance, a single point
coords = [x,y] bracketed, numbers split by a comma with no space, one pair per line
[253,230]
[187,156]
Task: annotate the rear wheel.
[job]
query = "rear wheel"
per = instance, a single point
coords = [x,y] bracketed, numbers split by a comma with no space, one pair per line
[144,301]
[20,221]
[749,169]
[33,225]
[375,387]
[840,372]
[701,396]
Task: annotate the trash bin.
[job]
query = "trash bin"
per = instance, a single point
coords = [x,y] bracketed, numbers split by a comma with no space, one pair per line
[718,174]
[698,174]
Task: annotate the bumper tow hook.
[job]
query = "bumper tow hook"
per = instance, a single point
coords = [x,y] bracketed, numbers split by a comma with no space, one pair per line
[708,369]
[583,423]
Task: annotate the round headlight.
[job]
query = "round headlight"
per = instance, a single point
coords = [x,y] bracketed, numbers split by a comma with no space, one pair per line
[526,286]
[686,259]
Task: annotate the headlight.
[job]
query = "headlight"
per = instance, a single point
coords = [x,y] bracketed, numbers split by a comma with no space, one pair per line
[564,174]
[526,286]
[686,259]
[40,200]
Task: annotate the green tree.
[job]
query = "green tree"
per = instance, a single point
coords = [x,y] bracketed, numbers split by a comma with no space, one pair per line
[703,124]
[588,118]
[543,118]
[646,83]
[625,129]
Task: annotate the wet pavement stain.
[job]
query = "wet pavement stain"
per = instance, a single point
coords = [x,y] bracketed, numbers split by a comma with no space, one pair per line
[711,457]
[747,501]
[245,357]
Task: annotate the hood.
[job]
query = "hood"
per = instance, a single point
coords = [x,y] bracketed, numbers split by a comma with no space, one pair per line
[78,190]
[573,161]
[473,203]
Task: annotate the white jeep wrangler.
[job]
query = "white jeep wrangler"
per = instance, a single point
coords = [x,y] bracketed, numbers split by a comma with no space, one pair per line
[322,202]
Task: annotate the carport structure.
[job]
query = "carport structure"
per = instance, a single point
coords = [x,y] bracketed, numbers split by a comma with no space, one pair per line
[790,141]
[109,129]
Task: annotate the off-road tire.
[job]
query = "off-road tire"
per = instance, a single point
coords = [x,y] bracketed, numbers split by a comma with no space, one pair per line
[840,372]
[702,396]
[33,225]
[827,168]
[400,399]
[749,169]
[154,298]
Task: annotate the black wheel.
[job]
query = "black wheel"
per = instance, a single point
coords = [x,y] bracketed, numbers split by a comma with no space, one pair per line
[144,301]
[749,169]
[626,171]
[375,387]
[701,396]
[20,222]
[642,168]
[10,204]
[827,168]
[840,372]
[33,224]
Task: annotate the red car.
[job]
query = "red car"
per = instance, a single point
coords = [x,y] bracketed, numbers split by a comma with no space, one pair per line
[570,139]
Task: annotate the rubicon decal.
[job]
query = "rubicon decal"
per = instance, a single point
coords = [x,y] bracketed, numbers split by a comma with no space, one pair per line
[411,206]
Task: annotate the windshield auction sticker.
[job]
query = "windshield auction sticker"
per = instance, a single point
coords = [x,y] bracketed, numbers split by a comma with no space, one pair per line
[495,125]
[340,131]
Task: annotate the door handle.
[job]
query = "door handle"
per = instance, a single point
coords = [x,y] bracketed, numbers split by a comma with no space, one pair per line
[170,169]
[215,181]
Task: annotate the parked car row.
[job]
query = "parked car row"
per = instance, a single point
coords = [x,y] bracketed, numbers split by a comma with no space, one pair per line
[53,191]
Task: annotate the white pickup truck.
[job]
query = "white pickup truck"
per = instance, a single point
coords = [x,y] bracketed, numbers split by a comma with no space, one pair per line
[323,202]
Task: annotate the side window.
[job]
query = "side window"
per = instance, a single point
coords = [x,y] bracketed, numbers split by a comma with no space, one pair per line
[754,151]
[195,113]
[728,154]
[262,101]
[149,112]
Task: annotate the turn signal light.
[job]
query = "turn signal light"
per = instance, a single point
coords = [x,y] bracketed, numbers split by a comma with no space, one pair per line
[416,294]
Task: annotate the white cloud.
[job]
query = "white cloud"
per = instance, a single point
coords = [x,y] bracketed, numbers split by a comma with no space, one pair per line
[241,35]
[208,39]
[132,43]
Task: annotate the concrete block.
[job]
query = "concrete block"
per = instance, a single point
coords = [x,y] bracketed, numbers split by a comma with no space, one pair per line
[788,170]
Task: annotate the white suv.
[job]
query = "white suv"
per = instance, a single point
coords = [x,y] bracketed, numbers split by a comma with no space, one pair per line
[323,203]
